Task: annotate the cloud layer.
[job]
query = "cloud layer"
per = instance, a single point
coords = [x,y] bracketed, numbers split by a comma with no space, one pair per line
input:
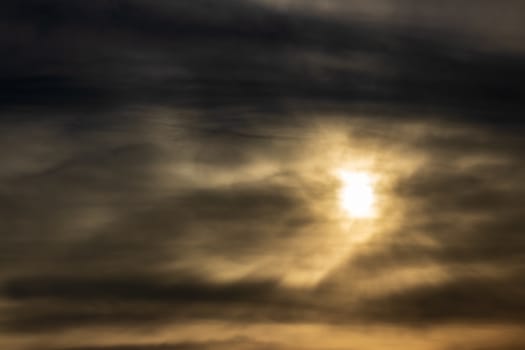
[168,177]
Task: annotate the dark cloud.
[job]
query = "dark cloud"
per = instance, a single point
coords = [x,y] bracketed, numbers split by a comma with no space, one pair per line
[173,162]
[135,288]
[473,300]
[50,303]
[115,54]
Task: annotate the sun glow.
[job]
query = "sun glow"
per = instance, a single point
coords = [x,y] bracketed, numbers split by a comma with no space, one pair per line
[356,196]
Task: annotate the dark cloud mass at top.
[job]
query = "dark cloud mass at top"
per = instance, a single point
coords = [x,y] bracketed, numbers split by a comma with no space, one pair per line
[109,54]
[167,174]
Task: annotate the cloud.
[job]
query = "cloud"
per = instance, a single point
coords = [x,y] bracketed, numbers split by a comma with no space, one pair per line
[234,250]
[171,163]
[244,55]
[233,343]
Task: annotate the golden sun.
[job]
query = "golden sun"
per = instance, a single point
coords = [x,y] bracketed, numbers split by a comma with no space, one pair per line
[356,196]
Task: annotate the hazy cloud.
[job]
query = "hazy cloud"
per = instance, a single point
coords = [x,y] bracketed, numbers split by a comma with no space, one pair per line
[175,163]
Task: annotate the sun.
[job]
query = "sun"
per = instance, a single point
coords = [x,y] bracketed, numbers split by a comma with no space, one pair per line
[356,196]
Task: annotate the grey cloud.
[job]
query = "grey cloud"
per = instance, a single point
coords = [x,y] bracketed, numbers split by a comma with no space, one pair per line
[472,300]
[168,162]
[473,224]
[61,303]
[182,55]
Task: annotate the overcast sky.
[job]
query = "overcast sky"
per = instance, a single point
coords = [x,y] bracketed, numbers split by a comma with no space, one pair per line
[169,174]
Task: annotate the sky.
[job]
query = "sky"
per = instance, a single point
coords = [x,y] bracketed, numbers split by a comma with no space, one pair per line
[262,175]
